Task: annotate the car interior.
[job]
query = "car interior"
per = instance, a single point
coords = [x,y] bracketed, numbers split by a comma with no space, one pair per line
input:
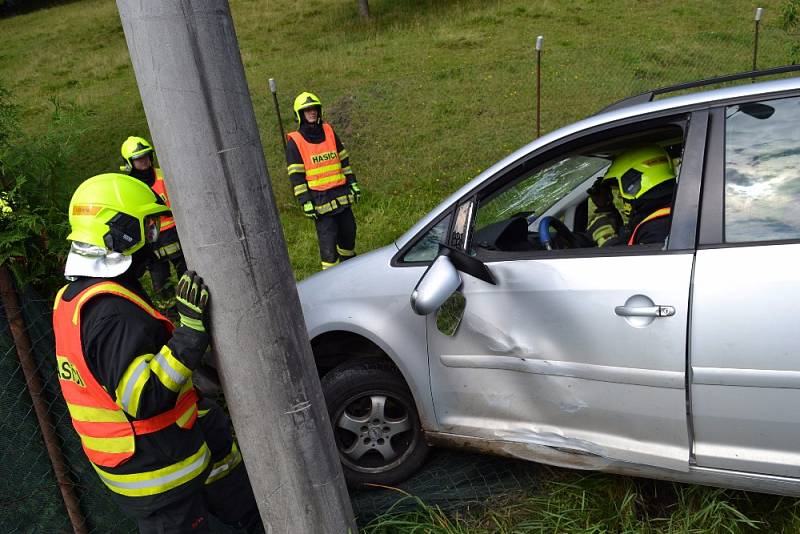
[547,206]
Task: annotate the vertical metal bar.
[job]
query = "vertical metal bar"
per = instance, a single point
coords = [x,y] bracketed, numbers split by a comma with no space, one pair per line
[539,41]
[17,326]
[273,88]
[759,13]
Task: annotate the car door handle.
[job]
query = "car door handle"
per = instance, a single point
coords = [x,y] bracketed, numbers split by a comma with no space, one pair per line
[644,311]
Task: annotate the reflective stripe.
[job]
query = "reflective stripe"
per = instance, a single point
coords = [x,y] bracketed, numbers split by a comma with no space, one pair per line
[326,265]
[186,416]
[58,296]
[95,415]
[225,466]
[333,179]
[344,154]
[169,249]
[300,189]
[160,480]
[169,370]
[130,387]
[323,170]
[123,444]
[114,289]
[202,413]
[347,170]
[343,200]
[345,252]
[296,167]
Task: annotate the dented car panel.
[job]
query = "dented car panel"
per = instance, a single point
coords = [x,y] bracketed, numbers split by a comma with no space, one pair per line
[543,354]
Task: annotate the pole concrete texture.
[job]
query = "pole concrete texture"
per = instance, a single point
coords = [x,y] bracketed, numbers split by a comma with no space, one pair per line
[189,70]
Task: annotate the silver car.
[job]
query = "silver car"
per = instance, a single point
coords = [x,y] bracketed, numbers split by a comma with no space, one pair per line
[494,324]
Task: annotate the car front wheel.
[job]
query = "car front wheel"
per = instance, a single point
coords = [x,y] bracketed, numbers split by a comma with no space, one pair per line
[375,422]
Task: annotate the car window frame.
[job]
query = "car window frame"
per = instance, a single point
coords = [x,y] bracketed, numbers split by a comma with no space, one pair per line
[563,144]
[711,233]
[684,216]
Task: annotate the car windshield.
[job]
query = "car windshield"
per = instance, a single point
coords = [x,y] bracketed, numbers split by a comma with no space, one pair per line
[537,193]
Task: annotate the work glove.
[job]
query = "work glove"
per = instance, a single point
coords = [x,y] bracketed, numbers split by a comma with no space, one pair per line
[309,211]
[355,191]
[191,301]
[600,193]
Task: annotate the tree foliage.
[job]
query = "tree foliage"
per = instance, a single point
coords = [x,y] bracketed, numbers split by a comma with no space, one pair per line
[36,187]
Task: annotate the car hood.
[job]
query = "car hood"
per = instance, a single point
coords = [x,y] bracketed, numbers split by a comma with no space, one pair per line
[357,278]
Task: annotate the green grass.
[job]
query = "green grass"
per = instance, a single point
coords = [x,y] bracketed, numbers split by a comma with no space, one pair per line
[578,503]
[426,95]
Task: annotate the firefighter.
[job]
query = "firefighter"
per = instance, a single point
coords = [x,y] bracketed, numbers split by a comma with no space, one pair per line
[138,156]
[324,184]
[645,180]
[167,457]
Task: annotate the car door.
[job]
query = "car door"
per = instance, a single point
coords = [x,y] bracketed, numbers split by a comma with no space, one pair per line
[745,333]
[584,349]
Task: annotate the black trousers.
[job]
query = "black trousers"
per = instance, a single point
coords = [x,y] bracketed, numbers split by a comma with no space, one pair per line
[337,237]
[229,498]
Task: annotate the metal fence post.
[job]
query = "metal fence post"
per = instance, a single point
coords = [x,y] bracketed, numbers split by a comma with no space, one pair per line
[16,325]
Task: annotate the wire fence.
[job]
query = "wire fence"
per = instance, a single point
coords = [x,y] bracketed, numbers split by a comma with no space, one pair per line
[578,81]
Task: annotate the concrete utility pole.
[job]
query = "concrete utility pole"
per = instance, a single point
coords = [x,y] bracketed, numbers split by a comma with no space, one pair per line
[188,67]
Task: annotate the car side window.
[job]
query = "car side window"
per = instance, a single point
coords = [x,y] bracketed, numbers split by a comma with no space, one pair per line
[762,171]
[427,247]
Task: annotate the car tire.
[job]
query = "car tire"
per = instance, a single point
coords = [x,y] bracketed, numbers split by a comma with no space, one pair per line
[375,422]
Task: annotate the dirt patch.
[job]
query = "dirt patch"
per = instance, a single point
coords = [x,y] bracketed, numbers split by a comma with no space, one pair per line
[339,113]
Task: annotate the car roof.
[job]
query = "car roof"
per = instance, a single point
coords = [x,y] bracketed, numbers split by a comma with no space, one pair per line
[709,97]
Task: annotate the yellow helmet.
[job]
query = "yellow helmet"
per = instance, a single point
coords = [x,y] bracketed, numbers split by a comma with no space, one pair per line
[116,212]
[639,170]
[306,100]
[132,148]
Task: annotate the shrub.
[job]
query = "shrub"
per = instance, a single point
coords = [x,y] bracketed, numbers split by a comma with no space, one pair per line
[36,187]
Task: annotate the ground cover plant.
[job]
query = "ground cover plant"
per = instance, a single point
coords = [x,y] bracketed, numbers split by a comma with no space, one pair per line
[425,95]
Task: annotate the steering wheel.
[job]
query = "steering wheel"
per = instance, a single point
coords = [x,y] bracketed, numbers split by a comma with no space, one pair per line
[564,237]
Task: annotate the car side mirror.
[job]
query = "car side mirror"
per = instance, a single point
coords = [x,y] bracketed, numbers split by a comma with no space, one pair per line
[437,284]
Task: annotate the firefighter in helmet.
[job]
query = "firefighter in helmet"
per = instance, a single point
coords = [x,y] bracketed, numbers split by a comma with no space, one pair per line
[323,182]
[167,457]
[138,156]
[644,178]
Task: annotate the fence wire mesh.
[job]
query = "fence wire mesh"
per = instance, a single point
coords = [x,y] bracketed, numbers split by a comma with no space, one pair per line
[579,79]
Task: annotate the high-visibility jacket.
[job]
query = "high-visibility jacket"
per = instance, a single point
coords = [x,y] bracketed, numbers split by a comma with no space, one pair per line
[323,168]
[160,189]
[663,212]
[108,434]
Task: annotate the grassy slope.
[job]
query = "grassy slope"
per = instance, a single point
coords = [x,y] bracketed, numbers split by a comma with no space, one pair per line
[424,96]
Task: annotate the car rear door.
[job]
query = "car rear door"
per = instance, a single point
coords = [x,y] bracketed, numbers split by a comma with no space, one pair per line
[548,356]
[745,325]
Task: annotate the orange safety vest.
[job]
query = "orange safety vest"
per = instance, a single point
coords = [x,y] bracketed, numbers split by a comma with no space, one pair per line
[663,212]
[107,433]
[160,189]
[321,161]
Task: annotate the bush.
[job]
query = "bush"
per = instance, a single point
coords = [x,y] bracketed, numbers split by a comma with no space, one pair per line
[36,187]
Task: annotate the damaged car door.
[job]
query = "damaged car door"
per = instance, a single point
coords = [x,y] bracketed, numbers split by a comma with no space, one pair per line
[580,350]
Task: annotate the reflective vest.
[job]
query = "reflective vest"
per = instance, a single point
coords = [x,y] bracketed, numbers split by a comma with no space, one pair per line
[321,161]
[663,212]
[107,434]
[160,189]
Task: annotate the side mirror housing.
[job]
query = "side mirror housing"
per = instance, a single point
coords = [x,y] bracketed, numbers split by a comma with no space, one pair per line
[437,284]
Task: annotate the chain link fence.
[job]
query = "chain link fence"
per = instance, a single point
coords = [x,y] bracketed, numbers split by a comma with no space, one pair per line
[578,79]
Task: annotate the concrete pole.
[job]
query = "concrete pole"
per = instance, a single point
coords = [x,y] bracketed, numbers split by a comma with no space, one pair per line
[188,67]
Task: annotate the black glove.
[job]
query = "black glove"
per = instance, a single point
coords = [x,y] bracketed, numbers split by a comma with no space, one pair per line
[600,192]
[192,301]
